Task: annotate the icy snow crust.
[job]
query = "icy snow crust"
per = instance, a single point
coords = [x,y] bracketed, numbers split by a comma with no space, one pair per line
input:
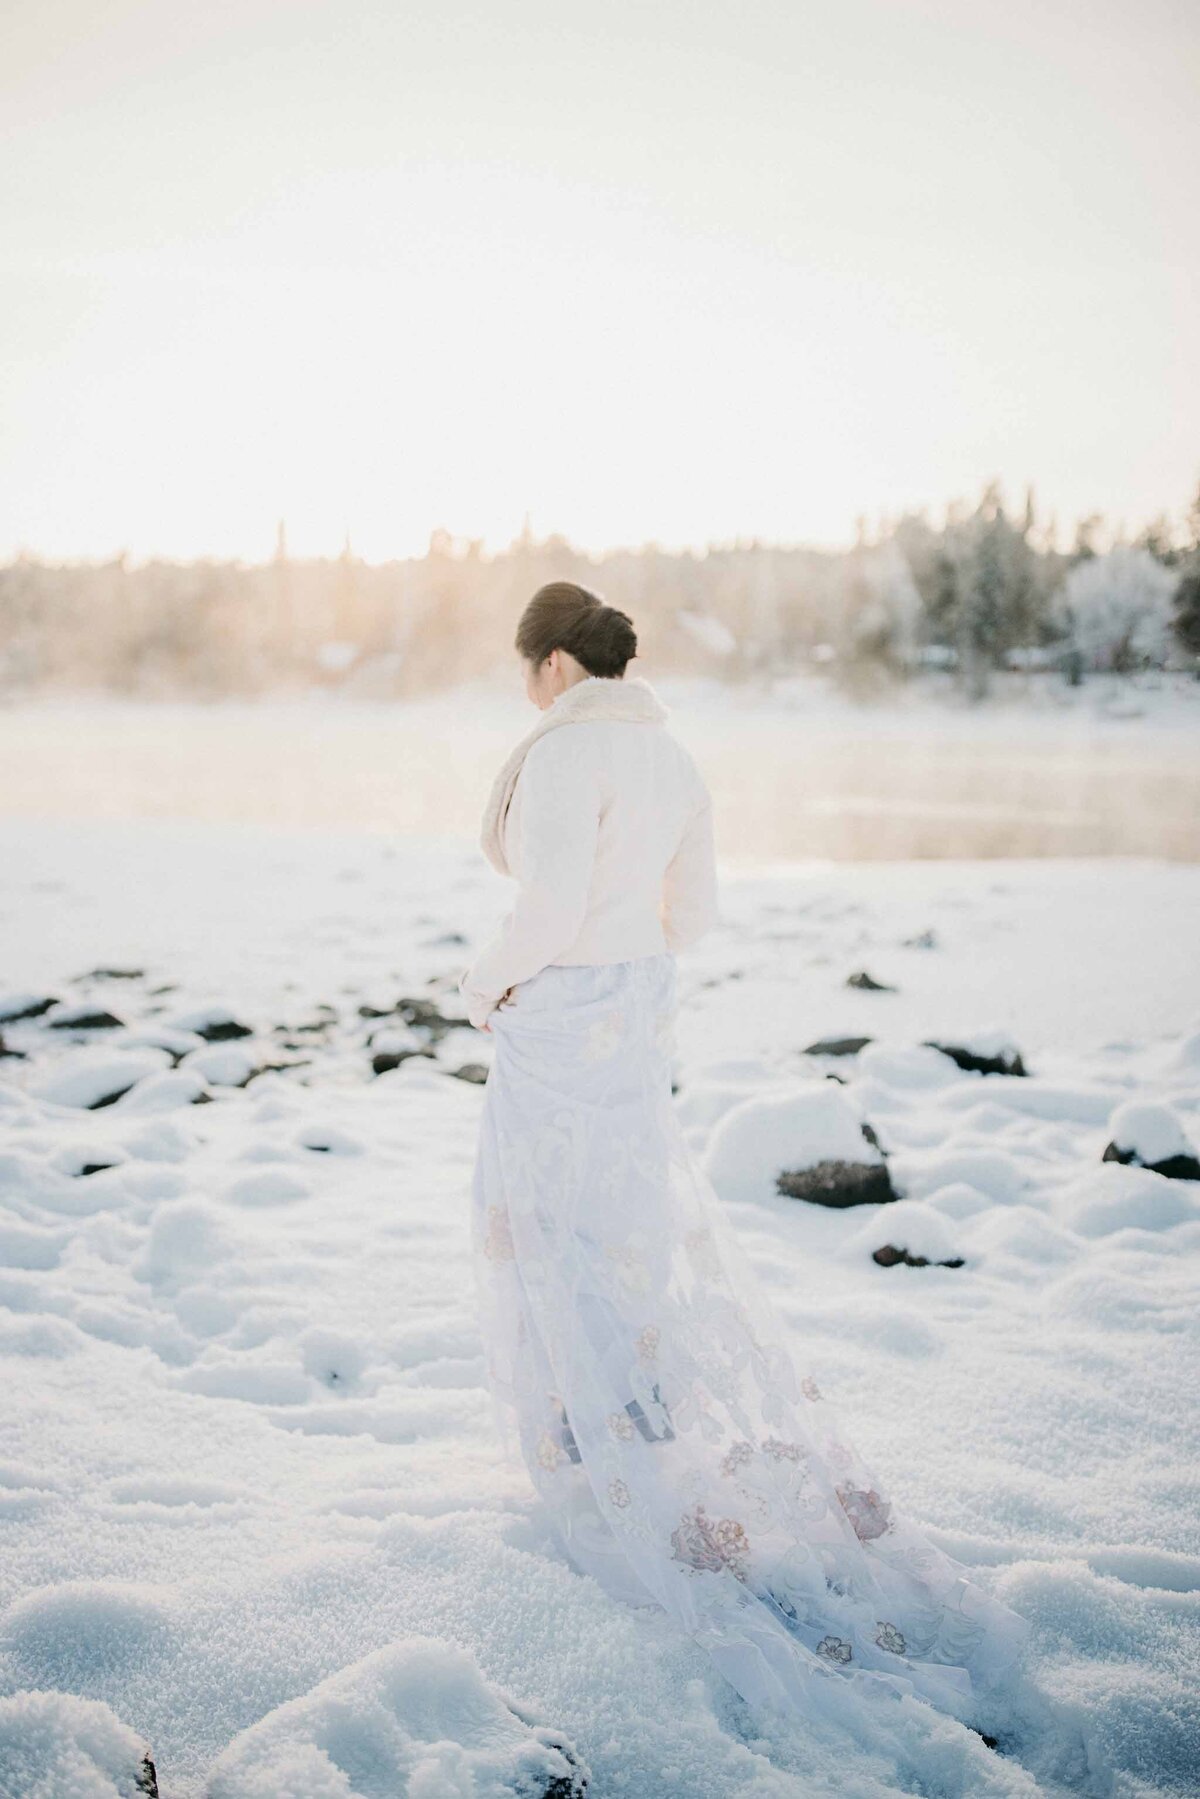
[254,1517]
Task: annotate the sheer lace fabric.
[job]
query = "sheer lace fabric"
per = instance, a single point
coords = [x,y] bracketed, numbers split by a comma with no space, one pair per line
[636,1368]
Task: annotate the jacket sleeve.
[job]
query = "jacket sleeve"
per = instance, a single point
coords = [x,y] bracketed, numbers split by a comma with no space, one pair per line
[688,907]
[559,826]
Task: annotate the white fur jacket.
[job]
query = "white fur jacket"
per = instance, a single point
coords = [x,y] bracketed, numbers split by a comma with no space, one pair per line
[607,827]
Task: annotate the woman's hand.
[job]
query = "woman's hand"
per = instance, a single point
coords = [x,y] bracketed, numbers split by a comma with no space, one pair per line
[505,999]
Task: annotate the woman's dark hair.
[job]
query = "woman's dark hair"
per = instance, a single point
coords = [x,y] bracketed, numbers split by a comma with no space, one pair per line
[562,616]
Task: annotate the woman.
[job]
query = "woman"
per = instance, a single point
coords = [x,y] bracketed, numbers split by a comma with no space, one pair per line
[633,1360]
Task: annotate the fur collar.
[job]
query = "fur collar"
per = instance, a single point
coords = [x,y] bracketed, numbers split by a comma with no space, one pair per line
[628,697]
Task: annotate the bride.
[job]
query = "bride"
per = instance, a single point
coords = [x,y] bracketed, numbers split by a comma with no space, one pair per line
[633,1360]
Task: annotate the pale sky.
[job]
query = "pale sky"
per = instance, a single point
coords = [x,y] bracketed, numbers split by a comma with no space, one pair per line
[645,269]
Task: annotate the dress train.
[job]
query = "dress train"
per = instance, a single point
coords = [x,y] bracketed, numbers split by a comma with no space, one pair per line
[636,1367]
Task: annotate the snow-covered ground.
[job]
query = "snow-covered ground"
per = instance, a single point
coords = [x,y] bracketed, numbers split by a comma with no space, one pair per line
[250,1496]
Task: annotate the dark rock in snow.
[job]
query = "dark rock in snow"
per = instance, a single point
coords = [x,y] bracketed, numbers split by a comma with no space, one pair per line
[23,1007]
[95,1167]
[573,1785]
[110,1099]
[1003,1061]
[426,1014]
[280,1067]
[863,979]
[926,939]
[837,1046]
[85,1018]
[888,1255]
[421,1014]
[564,1786]
[1180,1167]
[471,1071]
[114,974]
[18,1054]
[839,1184]
[147,1780]
[386,1060]
[222,1030]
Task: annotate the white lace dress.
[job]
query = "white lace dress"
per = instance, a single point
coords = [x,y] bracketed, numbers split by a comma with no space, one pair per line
[635,1365]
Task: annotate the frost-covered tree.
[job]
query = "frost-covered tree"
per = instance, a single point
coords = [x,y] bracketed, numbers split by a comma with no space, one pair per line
[1118,609]
[883,607]
[1186,619]
[997,599]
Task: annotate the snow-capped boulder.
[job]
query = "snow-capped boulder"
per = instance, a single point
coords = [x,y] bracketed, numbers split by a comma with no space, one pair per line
[96,1078]
[163,1036]
[1152,1136]
[216,1023]
[1112,1197]
[222,1064]
[329,1140]
[917,1234]
[983,1052]
[390,1044]
[416,1716]
[59,1746]
[163,1092]
[805,1141]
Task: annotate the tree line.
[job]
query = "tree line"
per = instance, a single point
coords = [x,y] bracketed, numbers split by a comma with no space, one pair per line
[983,590]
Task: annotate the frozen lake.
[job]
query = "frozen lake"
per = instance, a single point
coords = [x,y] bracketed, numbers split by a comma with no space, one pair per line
[795,773]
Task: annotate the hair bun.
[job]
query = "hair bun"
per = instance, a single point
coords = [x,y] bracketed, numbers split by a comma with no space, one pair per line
[566,616]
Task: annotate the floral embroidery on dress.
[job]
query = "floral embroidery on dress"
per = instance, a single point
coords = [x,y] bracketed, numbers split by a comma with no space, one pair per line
[868,1512]
[736,1456]
[780,1451]
[837,1649]
[809,1388]
[647,1343]
[498,1245]
[621,1426]
[889,1637]
[704,1544]
[604,1037]
[618,1492]
[549,1453]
